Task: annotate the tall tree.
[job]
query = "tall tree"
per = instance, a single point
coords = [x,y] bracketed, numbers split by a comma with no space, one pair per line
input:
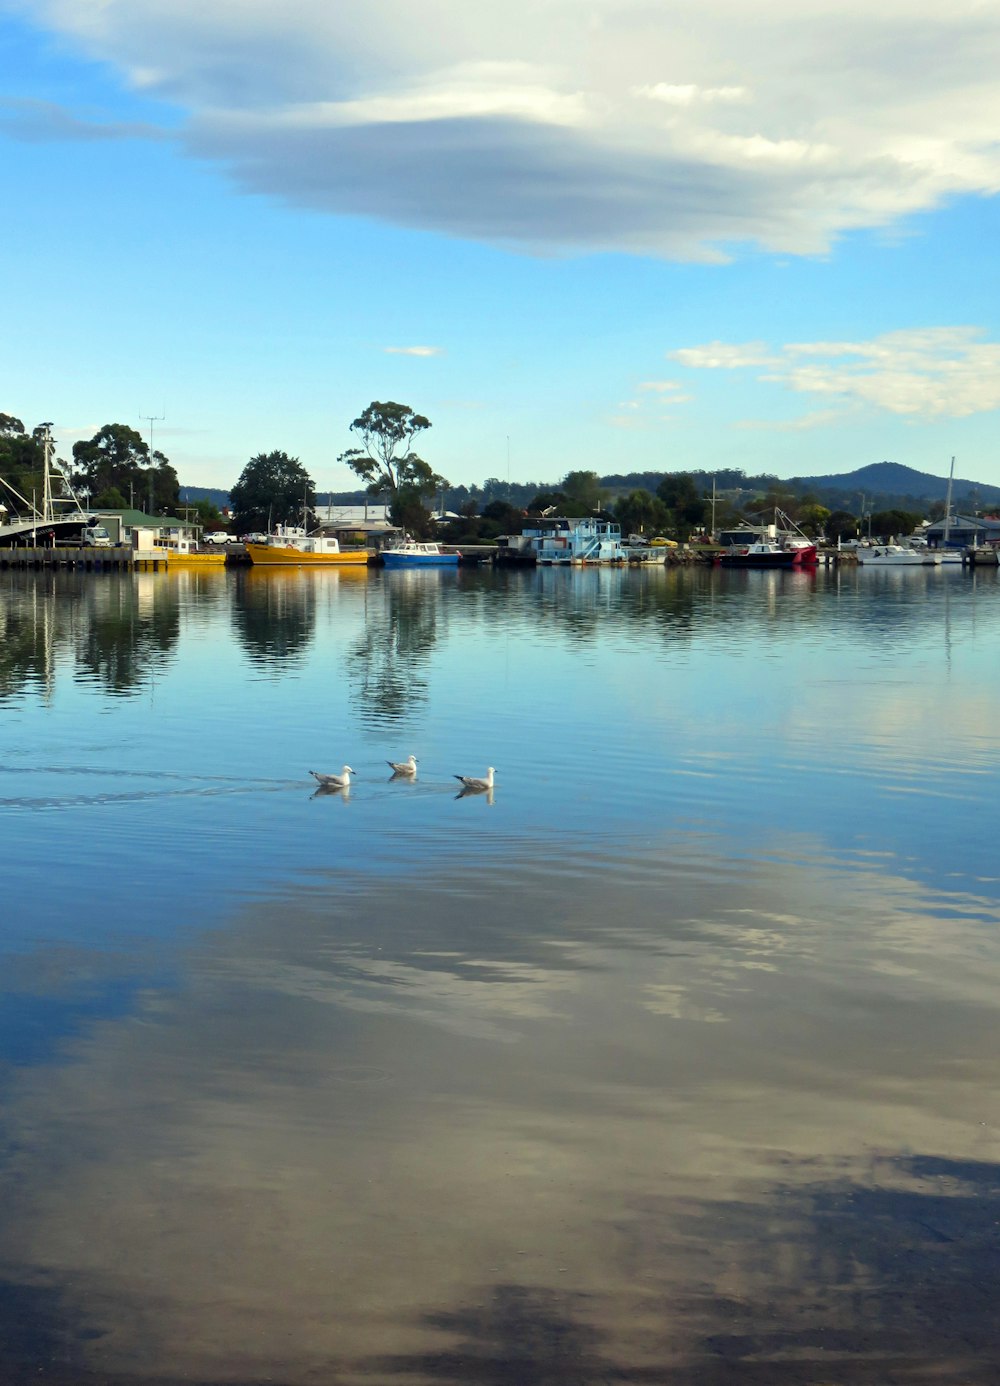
[386,460]
[583,489]
[273,489]
[642,513]
[116,462]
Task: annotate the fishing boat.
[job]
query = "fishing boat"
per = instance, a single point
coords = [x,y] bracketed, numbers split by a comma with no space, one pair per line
[292,546]
[414,554]
[895,556]
[768,553]
[184,553]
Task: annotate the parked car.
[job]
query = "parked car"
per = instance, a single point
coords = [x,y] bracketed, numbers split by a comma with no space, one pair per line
[218,536]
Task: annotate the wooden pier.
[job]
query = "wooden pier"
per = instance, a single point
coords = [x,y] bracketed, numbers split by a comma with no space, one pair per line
[82,559]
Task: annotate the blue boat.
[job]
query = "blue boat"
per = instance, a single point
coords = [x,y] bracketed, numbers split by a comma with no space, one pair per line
[414,555]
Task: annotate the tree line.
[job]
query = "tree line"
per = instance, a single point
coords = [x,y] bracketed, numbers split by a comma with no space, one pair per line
[116,469]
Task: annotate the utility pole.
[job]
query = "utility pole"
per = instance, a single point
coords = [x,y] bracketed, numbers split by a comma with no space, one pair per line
[151,419]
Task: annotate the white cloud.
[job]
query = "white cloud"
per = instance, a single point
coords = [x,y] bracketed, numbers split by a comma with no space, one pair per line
[689,94]
[656,129]
[725,356]
[923,373]
[413,351]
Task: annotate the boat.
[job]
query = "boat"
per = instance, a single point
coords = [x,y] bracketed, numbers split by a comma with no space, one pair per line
[945,554]
[185,554]
[416,554]
[768,553]
[558,542]
[293,546]
[897,555]
[780,544]
[60,519]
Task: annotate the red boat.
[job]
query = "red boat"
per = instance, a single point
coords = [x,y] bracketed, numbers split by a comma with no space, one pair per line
[796,553]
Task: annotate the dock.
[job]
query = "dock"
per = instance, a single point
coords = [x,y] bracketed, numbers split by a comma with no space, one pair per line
[82,559]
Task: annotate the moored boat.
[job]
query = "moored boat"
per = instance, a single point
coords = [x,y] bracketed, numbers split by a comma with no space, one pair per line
[291,546]
[768,553]
[895,556]
[414,554]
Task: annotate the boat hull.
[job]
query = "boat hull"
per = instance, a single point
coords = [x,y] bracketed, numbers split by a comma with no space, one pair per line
[759,560]
[420,560]
[282,556]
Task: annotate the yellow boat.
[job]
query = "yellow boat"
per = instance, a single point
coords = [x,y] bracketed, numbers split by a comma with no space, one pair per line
[290,546]
[182,553]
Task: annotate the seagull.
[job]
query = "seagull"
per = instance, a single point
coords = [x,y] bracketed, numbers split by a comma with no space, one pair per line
[477,786]
[341,781]
[403,767]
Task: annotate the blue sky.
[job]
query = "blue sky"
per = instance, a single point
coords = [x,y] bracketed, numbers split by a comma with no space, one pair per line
[708,239]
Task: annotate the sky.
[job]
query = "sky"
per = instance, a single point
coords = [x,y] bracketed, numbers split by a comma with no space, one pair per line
[618,235]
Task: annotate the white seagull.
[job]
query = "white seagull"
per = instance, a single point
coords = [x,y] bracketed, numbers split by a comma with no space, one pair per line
[470,781]
[403,767]
[341,781]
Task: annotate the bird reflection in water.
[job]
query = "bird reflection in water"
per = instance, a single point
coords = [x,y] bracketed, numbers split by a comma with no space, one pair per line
[332,791]
[468,791]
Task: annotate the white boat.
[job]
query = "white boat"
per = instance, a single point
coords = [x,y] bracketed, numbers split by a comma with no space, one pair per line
[414,554]
[896,556]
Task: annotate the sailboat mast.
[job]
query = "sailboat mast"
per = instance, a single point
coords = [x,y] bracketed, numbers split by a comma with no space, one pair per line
[47,514]
[947,504]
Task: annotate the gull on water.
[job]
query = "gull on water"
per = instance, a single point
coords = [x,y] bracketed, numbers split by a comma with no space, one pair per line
[403,767]
[470,781]
[341,781]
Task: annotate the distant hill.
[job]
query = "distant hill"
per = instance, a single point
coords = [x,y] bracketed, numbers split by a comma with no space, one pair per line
[888,483]
[215,494]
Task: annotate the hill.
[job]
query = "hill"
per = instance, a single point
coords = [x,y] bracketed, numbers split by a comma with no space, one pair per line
[886,484]
[215,494]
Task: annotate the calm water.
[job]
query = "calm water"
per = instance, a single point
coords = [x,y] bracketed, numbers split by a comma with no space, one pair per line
[674,1060]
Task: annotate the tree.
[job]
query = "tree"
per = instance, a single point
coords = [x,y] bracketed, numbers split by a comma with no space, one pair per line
[386,460]
[812,518]
[548,500]
[583,489]
[688,510]
[407,510]
[841,524]
[640,512]
[273,489]
[117,459]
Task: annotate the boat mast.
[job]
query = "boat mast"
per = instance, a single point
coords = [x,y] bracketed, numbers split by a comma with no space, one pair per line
[947,505]
[47,512]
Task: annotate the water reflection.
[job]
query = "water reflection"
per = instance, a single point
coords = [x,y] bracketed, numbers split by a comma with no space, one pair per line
[675,1065]
[111,630]
[274,615]
[389,658]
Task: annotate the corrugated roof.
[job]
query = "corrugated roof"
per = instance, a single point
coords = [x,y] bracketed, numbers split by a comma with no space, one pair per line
[137,519]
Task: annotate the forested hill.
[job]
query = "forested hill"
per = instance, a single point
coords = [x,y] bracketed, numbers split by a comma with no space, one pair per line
[215,494]
[889,483]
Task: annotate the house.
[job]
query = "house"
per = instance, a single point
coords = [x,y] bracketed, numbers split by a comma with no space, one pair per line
[120,525]
[357,524]
[964,531]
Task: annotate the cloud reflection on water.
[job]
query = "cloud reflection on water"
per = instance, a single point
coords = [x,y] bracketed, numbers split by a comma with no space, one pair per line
[385,1133]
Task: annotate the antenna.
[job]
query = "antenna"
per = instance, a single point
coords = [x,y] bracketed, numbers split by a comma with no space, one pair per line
[151,419]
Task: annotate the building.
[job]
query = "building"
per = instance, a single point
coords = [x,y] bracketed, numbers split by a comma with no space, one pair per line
[121,523]
[357,524]
[964,531]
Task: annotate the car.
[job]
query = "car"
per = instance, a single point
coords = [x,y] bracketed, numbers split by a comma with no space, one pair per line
[218,536]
